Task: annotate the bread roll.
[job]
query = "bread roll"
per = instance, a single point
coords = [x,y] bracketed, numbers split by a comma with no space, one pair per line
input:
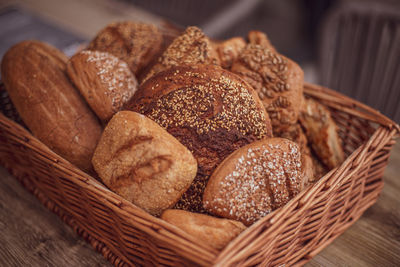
[210,110]
[261,39]
[133,42]
[191,48]
[322,133]
[143,163]
[277,80]
[214,232]
[104,81]
[255,180]
[229,50]
[35,77]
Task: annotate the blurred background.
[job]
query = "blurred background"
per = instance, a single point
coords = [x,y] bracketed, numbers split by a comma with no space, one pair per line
[350,46]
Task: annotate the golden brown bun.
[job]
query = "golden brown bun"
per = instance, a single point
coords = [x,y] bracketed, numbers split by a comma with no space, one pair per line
[322,133]
[143,163]
[208,109]
[104,81]
[214,232]
[229,50]
[255,180]
[191,48]
[277,80]
[260,38]
[133,42]
[35,78]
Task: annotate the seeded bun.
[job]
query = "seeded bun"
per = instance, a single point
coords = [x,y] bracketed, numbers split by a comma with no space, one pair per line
[215,232]
[255,180]
[133,42]
[105,81]
[277,80]
[191,48]
[141,162]
[210,110]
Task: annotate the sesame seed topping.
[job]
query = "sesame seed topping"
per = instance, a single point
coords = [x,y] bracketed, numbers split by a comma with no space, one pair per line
[252,191]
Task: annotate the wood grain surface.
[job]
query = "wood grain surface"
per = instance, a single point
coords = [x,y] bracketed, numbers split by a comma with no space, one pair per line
[33,236]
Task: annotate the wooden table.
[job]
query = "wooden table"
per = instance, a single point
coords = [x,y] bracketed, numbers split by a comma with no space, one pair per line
[32,236]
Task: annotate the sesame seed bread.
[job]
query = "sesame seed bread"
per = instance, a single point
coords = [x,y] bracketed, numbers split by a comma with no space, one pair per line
[277,80]
[104,81]
[141,162]
[322,133]
[229,50]
[215,232]
[255,180]
[133,42]
[208,109]
[191,48]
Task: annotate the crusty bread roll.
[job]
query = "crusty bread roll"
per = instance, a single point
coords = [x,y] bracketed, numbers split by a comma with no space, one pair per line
[255,180]
[229,50]
[208,109]
[133,42]
[140,161]
[35,77]
[191,48]
[322,133]
[277,80]
[104,81]
[215,232]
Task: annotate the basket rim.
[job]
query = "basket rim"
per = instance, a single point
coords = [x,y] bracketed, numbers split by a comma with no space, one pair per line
[166,232]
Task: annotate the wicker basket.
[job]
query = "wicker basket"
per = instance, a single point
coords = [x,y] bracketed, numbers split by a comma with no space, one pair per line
[293,234]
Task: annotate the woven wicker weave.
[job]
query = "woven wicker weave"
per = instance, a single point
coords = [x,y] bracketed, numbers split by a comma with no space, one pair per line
[293,234]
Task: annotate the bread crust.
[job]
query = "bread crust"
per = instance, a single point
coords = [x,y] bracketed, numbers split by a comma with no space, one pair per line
[210,110]
[229,50]
[322,133]
[34,75]
[192,47]
[260,38]
[133,42]
[140,161]
[214,232]
[255,180]
[277,80]
[104,81]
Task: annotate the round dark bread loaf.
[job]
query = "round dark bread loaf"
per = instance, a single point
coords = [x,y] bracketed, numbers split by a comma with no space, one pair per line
[211,111]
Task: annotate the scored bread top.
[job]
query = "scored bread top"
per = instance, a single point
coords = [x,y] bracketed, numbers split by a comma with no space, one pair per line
[255,180]
[210,110]
[140,161]
[135,43]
